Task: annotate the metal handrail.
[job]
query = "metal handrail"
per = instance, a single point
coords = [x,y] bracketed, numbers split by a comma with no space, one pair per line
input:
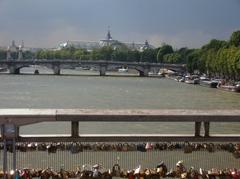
[20,117]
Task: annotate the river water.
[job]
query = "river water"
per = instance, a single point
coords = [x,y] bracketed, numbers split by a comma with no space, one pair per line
[85,89]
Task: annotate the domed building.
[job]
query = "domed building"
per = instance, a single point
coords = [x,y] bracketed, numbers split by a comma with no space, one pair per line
[108,41]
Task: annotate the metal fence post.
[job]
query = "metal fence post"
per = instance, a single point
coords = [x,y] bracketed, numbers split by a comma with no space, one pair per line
[5,158]
[75,129]
[197,129]
[206,129]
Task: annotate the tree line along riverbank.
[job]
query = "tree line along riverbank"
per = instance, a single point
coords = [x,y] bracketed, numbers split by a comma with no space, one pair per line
[217,58]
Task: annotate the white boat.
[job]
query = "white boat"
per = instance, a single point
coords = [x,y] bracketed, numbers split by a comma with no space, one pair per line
[3,69]
[123,70]
[192,79]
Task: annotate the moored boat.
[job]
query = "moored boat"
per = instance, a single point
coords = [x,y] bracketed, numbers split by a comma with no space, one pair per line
[234,87]
[209,83]
[192,79]
[123,70]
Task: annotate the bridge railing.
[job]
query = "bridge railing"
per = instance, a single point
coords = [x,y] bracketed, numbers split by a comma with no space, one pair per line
[12,119]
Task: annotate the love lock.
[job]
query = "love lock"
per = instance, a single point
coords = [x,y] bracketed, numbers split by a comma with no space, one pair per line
[125,147]
[187,147]
[106,174]
[52,148]
[180,168]
[236,154]
[116,170]
[42,147]
[76,148]
[96,173]
[161,169]
[230,147]
[132,147]
[147,173]
[193,173]
[149,146]
[87,147]
[141,147]
[61,146]
[31,147]
[210,147]
[105,147]
[119,147]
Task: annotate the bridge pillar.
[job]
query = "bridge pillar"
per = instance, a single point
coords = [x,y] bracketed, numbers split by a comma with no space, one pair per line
[103,70]
[14,70]
[56,70]
[144,72]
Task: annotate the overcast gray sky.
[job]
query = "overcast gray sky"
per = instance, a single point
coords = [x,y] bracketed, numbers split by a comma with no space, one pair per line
[45,23]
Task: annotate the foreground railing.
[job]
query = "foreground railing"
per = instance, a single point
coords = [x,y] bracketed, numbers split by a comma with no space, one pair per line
[12,119]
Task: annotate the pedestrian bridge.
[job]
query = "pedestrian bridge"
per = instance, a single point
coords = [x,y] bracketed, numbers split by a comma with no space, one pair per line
[12,119]
[143,68]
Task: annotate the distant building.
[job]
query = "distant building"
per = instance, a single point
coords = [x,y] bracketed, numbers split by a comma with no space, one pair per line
[108,41]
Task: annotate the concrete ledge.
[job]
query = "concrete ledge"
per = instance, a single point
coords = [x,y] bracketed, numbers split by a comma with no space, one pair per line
[30,116]
[148,115]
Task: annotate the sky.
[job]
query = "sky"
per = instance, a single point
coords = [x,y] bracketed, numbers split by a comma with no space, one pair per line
[180,23]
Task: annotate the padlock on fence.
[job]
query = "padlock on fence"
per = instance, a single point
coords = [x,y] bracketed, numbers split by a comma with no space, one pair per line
[76,148]
[161,169]
[188,148]
[42,147]
[141,147]
[116,170]
[236,154]
[210,147]
[61,146]
[52,148]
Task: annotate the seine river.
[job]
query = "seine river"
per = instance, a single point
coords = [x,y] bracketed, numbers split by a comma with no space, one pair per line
[88,90]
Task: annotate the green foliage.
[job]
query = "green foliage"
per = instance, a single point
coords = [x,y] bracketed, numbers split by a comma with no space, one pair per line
[3,55]
[133,56]
[165,49]
[235,39]
[172,58]
[119,55]
[193,61]
[148,55]
[106,53]
[215,44]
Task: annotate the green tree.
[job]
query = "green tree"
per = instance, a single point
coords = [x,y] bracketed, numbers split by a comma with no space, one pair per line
[148,55]
[193,60]
[133,56]
[235,39]
[165,49]
[172,58]
[106,53]
[3,55]
[215,44]
[119,55]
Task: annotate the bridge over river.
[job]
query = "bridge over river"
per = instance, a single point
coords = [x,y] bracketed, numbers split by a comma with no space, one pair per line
[143,68]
